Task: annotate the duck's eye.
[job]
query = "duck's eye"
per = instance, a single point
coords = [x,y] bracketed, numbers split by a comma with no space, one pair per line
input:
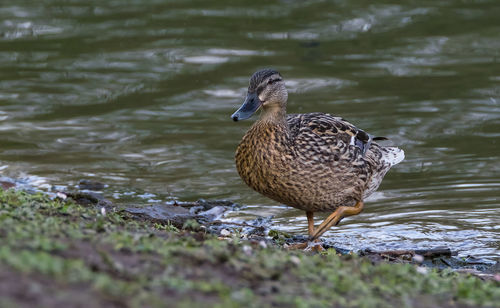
[271,81]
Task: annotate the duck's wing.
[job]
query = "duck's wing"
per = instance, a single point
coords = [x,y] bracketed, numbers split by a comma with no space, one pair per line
[328,135]
[330,141]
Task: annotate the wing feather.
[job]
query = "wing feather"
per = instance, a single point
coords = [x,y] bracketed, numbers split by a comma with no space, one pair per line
[325,129]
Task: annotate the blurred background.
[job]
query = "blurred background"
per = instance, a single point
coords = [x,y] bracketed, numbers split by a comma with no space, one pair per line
[138,94]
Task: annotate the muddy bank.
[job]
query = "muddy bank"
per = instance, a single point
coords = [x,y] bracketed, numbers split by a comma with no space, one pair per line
[65,253]
[207,216]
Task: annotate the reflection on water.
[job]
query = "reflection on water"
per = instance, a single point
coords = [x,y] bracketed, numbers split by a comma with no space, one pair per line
[137,94]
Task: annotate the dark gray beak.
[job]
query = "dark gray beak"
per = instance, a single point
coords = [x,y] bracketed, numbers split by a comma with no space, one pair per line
[250,105]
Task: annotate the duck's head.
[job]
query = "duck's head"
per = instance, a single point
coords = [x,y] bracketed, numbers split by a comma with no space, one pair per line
[266,89]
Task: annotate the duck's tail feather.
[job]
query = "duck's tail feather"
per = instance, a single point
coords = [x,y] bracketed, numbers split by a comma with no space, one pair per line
[392,155]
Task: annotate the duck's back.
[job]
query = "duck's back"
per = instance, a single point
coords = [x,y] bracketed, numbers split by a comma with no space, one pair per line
[352,155]
[323,162]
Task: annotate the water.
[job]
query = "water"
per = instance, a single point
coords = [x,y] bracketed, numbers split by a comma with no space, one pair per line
[138,94]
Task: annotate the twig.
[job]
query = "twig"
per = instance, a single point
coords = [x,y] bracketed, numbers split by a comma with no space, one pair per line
[428,253]
[218,222]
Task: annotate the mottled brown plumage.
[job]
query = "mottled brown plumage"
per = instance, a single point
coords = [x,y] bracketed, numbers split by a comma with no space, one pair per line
[313,162]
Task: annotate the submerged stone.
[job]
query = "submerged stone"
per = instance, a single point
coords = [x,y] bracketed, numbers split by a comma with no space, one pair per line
[89,198]
[6,185]
[166,213]
[178,213]
[91,185]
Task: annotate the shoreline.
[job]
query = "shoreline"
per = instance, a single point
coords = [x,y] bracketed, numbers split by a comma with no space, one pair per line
[94,253]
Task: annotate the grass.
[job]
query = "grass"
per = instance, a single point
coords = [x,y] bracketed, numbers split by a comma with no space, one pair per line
[57,253]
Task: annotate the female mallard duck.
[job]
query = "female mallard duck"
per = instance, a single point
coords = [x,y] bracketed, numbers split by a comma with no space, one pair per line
[315,162]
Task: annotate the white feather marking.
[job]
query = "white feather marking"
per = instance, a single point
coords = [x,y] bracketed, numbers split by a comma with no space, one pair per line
[393,155]
[352,140]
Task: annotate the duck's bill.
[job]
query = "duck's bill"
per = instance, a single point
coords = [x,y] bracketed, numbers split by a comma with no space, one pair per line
[250,105]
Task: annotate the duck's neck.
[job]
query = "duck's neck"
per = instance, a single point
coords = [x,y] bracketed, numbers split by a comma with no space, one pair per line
[272,128]
[273,116]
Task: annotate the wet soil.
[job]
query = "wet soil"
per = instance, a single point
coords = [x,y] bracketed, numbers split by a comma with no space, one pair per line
[36,290]
[93,253]
[206,213]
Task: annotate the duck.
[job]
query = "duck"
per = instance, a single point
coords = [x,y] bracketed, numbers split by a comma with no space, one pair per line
[315,162]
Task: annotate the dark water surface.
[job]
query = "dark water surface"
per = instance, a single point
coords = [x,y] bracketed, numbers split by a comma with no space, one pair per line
[138,94]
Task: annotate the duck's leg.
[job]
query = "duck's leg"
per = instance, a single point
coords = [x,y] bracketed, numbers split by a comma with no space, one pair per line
[310,223]
[335,217]
[315,244]
[310,229]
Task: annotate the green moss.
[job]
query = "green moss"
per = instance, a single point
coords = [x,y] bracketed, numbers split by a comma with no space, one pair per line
[279,236]
[118,259]
[191,224]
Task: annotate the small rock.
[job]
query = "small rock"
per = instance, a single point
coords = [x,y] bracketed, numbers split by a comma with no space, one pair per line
[225,232]
[418,258]
[208,204]
[91,185]
[89,198]
[295,260]
[247,250]
[495,268]
[164,213]
[61,195]
[422,270]
[261,221]
[196,209]
[262,244]
[213,212]
[6,185]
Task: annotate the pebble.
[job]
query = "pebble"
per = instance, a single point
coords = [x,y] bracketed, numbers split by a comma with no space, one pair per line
[225,232]
[247,250]
[418,259]
[295,260]
[91,185]
[61,195]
